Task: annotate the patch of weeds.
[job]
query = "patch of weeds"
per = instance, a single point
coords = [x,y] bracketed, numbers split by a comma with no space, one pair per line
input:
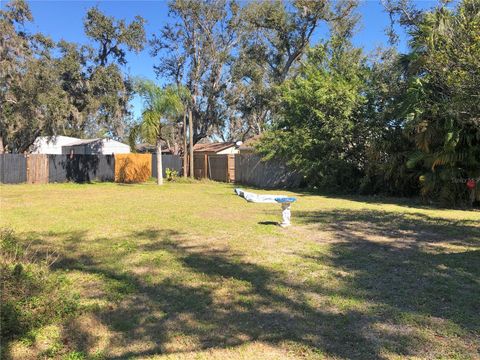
[75,355]
[246,301]
[149,279]
[32,295]
[48,339]
[117,289]
[171,174]
[29,338]
[98,355]
[127,246]
[52,351]
[186,180]
[124,324]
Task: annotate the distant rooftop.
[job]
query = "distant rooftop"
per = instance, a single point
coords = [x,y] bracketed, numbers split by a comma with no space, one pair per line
[212,147]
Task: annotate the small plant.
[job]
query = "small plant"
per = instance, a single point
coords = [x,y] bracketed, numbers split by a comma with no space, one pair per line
[171,174]
[75,355]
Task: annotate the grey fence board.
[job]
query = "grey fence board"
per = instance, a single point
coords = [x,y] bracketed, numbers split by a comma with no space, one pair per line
[173,162]
[81,168]
[218,167]
[251,170]
[13,168]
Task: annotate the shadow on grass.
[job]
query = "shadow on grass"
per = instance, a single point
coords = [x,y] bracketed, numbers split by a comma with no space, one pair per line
[275,223]
[410,228]
[404,280]
[407,261]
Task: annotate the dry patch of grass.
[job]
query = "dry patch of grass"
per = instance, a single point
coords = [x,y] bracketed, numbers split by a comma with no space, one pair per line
[189,271]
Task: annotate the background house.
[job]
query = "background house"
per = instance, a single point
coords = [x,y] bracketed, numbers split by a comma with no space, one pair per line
[51,144]
[71,145]
[219,148]
[96,147]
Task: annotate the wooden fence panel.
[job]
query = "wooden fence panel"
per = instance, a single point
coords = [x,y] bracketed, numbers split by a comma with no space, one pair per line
[251,170]
[133,168]
[231,168]
[218,167]
[37,169]
[13,168]
[173,162]
[200,166]
[81,168]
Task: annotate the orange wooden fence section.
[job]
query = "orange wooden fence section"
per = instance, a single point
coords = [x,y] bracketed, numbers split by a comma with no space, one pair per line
[133,168]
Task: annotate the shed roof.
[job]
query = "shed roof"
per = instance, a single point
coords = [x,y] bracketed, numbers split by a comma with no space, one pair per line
[212,147]
[84,141]
[90,141]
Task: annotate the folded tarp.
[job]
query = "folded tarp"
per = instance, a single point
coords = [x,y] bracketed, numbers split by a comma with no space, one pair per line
[269,199]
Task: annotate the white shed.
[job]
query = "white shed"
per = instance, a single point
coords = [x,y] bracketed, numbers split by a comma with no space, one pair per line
[51,144]
[96,147]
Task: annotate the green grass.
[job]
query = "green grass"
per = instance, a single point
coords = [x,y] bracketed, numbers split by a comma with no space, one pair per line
[192,271]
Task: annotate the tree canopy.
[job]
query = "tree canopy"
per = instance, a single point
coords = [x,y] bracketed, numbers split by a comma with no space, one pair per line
[385,122]
[404,125]
[63,88]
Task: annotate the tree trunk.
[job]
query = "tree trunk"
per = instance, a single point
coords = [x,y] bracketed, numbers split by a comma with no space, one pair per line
[159,163]
[2,149]
[185,144]
[190,135]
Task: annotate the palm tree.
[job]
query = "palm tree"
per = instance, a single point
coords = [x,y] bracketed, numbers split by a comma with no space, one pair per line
[441,107]
[161,105]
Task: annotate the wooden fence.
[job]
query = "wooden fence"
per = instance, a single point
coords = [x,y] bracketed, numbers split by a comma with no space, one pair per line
[246,169]
[173,162]
[37,169]
[133,168]
[200,166]
[215,167]
[251,170]
[13,168]
[81,168]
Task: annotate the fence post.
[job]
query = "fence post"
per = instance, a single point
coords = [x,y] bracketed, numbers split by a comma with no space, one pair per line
[205,166]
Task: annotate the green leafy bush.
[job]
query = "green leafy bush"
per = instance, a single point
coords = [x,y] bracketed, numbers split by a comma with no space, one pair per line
[171,174]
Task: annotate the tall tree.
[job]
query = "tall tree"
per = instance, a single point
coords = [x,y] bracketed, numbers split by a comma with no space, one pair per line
[49,89]
[382,147]
[197,51]
[316,130]
[32,101]
[113,36]
[110,87]
[14,49]
[276,38]
[441,105]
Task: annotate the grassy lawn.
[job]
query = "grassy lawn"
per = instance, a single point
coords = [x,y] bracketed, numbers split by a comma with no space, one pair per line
[191,271]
